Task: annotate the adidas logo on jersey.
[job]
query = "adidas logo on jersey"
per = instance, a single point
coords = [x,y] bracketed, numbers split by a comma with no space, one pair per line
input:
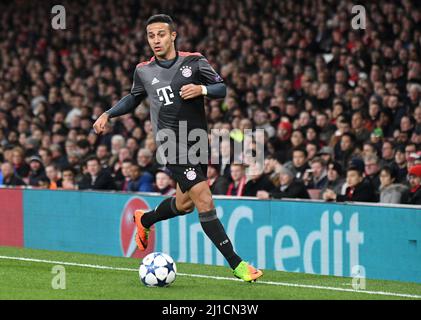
[155,81]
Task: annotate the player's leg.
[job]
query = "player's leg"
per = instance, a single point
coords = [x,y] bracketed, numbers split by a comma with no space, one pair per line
[212,226]
[183,201]
[167,209]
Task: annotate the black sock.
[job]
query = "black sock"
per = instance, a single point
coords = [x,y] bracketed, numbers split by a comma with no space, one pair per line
[214,229]
[165,210]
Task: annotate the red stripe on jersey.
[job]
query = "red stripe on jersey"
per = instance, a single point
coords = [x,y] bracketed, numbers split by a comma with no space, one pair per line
[185,54]
[144,63]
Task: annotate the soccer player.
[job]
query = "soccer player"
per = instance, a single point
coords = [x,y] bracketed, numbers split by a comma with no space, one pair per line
[175,84]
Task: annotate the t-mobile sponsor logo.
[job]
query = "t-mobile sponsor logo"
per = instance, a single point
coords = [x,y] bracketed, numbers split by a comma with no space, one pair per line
[165,94]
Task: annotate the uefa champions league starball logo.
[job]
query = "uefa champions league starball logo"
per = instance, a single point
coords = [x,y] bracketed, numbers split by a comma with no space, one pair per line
[128,229]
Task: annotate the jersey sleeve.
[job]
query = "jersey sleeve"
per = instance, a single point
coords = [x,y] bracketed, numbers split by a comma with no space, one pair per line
[208,75]
[137,88]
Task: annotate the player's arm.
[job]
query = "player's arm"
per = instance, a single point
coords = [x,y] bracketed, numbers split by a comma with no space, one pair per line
[212,85]
[126,105]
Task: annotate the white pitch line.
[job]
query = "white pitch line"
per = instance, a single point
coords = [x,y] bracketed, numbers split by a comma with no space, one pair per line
[284,284]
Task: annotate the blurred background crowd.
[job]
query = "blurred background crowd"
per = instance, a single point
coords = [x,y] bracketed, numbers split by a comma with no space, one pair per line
[341,108]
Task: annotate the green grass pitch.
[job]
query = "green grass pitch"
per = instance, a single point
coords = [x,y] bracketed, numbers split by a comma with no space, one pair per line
[31,279]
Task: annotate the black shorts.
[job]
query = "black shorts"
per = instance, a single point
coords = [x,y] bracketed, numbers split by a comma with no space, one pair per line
[188,175]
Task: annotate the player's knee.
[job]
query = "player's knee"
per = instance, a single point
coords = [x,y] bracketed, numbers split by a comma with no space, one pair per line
[185,207]
[205,204]
[202,197]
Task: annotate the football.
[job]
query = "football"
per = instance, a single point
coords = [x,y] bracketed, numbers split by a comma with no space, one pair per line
[157,270]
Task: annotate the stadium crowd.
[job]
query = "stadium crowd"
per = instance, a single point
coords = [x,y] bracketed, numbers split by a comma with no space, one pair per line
[341,108]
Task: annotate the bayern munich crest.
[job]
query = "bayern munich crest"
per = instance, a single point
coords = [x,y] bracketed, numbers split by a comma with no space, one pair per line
[186,71]
[190,174]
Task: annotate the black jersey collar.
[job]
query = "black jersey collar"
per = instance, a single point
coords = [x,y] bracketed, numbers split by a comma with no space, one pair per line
[169,65]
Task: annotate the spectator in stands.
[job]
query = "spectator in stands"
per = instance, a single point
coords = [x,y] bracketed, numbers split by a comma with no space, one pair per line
[417,111]
[261,120]
[239,179]
[117,142]
[281,142]
[344,127]
[20,166]
[140,181]
[37,171]
[83,149]
[123,183]
[334,178]
[410,149]
[103,155]
[400,164]
[145,161]
[163,183]
[133,145]
[388,153]
[9,177]
[57,156]
[272,168]
[369,149]
[119,178]
[416,136]
[345,150]
[358,127]
[297,139]
[217,183]
[406,124]
[225,158]
[257,180]
[96,178]
[372,171]
[376,139]
[413,196]
[326,153]
[299,164]
[290,187]
[43,182]
[390,191]
[316,176]
[46,156]
[312,149]
[326,130]
[68,179]
[54,180]
[357,189]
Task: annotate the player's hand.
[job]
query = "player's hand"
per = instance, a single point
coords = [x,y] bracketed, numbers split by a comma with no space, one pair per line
[190,91]
[100,123]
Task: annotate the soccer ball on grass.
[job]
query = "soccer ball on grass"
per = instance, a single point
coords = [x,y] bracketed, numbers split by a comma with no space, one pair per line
[157,270]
